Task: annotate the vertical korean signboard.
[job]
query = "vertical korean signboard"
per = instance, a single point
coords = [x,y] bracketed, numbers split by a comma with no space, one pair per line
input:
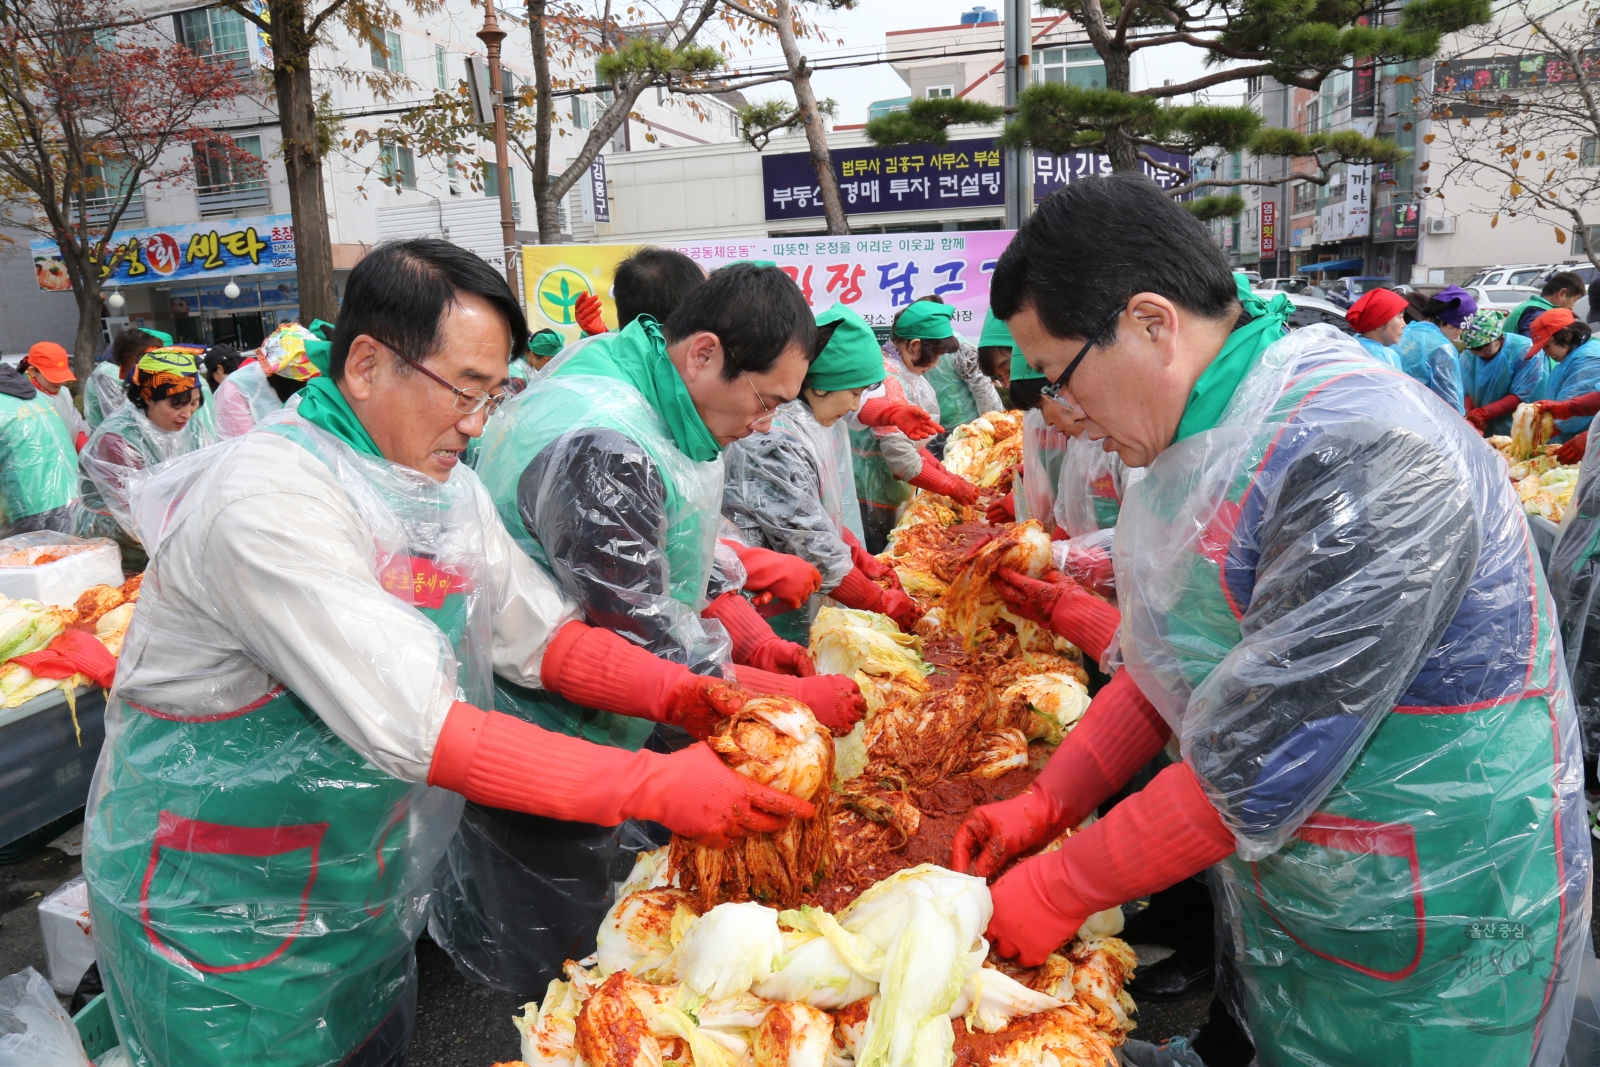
[599,197]
[1269,228]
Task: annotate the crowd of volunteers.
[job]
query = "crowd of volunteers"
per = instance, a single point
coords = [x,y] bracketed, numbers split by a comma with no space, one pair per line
[440,614]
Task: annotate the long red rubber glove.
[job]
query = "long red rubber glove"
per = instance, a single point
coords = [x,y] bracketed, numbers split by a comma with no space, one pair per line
[1063,605]
[867,563]
[1481,417]
[754,642]
[835,700]
[935,479]
[857,591]
[1121,732]
[1159,836]
[1090,566]
[907,418]
[1002,510]
[601,669]
[1587,404]
[502,762]
[72,652]
[1572,451]
[789,579]
[586,312]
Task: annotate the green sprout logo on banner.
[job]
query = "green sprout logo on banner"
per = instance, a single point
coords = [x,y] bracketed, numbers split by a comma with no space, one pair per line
[558,291]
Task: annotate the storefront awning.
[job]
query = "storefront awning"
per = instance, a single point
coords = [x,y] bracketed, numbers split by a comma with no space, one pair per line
[1332,264]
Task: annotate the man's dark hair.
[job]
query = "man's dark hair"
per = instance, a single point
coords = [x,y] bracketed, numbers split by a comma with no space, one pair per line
[653,281]
[1572,335]
[1093,244]
[1026,393]
[131,343]
[1563,281]
[756,312]
[1416,307]
[400,291]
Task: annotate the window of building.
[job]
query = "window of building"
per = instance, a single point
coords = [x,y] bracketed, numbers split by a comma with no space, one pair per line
[452,174]
[439,66]
[1305,198]
[397,166]
[1589,152]
[1072,66]
[941,92]
[582,112]
[1313,116]
[217,34]
[216,171]
[386,52]
[491,181]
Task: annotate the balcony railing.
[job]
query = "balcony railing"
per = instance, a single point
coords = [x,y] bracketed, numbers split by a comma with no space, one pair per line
[233,198]
[97,210]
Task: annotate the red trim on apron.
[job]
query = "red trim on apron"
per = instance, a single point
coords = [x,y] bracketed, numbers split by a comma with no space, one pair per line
[255,705]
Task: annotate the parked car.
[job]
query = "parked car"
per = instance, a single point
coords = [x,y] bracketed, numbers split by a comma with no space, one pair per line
[1251,276]
[1346,291]
[1312,310]
[1513,274]
[1500,297]
[1297,284]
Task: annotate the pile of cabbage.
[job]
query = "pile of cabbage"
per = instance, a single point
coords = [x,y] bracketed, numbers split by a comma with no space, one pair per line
[878,985]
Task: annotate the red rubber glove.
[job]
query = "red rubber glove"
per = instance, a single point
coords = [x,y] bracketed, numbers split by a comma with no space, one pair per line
[601,669]
[1481,417]
[502,762]
[754,642]
[1119,733]
[82,440]
[907,418]
[587,313]
[1002,510]
[867,563]
[1587,404]
[1061,604]
[1162,834]
[1090,566]
[72,652]
[1571,452]
[835,700]
[856,591]
[790,579]
[935,479]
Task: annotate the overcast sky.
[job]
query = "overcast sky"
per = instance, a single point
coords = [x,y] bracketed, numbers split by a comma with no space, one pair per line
[863,29]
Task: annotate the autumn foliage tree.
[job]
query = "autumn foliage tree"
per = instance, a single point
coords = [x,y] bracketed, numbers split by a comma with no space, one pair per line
[94,104]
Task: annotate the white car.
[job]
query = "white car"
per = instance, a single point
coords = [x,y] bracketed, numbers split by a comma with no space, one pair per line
[1311,310]
[1501,297]
[1529,274]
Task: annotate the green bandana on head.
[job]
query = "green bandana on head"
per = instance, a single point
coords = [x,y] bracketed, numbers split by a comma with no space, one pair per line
[169,360]
[996,334]
[546,343]
[164,338]
[1020,371]
[1483,328]
[925,320]
[851,359]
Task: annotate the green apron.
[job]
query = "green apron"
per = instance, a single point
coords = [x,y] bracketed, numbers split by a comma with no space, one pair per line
[38,464]
[1361,936]
[277,879]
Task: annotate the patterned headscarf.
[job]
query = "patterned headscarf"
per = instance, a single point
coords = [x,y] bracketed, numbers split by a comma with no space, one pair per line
[1483,328]
[162,373]
[288,352]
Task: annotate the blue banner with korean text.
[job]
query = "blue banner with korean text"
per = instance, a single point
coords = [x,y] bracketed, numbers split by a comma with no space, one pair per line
[874,180]
[210,248]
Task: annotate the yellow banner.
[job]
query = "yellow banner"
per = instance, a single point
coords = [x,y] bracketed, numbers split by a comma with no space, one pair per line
[556,275]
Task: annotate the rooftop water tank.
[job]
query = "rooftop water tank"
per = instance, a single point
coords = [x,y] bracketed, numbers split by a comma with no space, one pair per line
[979,15]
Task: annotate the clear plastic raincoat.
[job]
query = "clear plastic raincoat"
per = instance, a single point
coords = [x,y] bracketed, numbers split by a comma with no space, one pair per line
[38,465]
[1332,597]
[1574,376]
[885,459]
[588,476]
[1044,450]
[104,391]
[964,391]
[1093,483]
[1574,566]
[245,398]
[1508,371]
[1383,353]
[1430,357]
[127,443]
[260,837]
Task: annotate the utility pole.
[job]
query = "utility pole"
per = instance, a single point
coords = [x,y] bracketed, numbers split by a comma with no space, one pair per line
[491,35]
[1018,170]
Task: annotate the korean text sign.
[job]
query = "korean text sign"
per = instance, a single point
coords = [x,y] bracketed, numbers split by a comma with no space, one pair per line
[199,250]
[874,274]
[897,178]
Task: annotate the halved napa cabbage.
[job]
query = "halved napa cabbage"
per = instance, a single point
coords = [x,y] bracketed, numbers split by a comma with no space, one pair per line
[728,949]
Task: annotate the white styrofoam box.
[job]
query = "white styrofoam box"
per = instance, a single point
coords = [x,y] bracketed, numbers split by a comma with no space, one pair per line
[60,583]
[68,940]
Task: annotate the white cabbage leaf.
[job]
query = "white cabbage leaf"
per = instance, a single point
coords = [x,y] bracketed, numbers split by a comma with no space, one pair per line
[728,949]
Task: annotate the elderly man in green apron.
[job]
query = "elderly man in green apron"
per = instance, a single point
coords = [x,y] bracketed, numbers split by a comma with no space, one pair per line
[608,472]
[1330,602]
[298,709]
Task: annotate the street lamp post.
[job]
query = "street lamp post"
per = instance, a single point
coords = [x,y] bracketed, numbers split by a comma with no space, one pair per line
[491,35]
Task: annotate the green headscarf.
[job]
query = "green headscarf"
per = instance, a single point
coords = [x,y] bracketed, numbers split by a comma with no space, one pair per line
[637,354]
[851,359]
[319,352]
[1020,371]
[546,343]
[925,320]
[1208,400]
[996,334]
[164,338]
[322,404]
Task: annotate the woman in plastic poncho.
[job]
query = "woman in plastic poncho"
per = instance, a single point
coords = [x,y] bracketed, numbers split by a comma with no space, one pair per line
[963,388]
[1330,599]
[106,389]
[1378,319]
[1427,348]
[290,356]
[157,424]
[1574,566]
[1497,372]
[791,488]
[38,466]
[1570,358]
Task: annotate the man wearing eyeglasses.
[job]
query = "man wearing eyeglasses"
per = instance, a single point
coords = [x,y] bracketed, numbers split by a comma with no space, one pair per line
[1329,598]
[302,698]
[609,474]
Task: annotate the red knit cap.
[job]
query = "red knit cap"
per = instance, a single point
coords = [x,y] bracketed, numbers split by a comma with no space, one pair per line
[1374,309]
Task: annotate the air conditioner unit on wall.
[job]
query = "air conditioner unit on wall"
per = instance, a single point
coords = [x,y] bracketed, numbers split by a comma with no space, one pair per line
[1442,224]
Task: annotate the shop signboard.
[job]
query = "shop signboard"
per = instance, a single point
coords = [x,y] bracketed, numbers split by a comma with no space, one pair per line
[875,180]
[280,292]
[1397,222]
[1051,172]
[874,274]
[1269,228]
[193,252]
[216,298]
[1351,217]
[599,195]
